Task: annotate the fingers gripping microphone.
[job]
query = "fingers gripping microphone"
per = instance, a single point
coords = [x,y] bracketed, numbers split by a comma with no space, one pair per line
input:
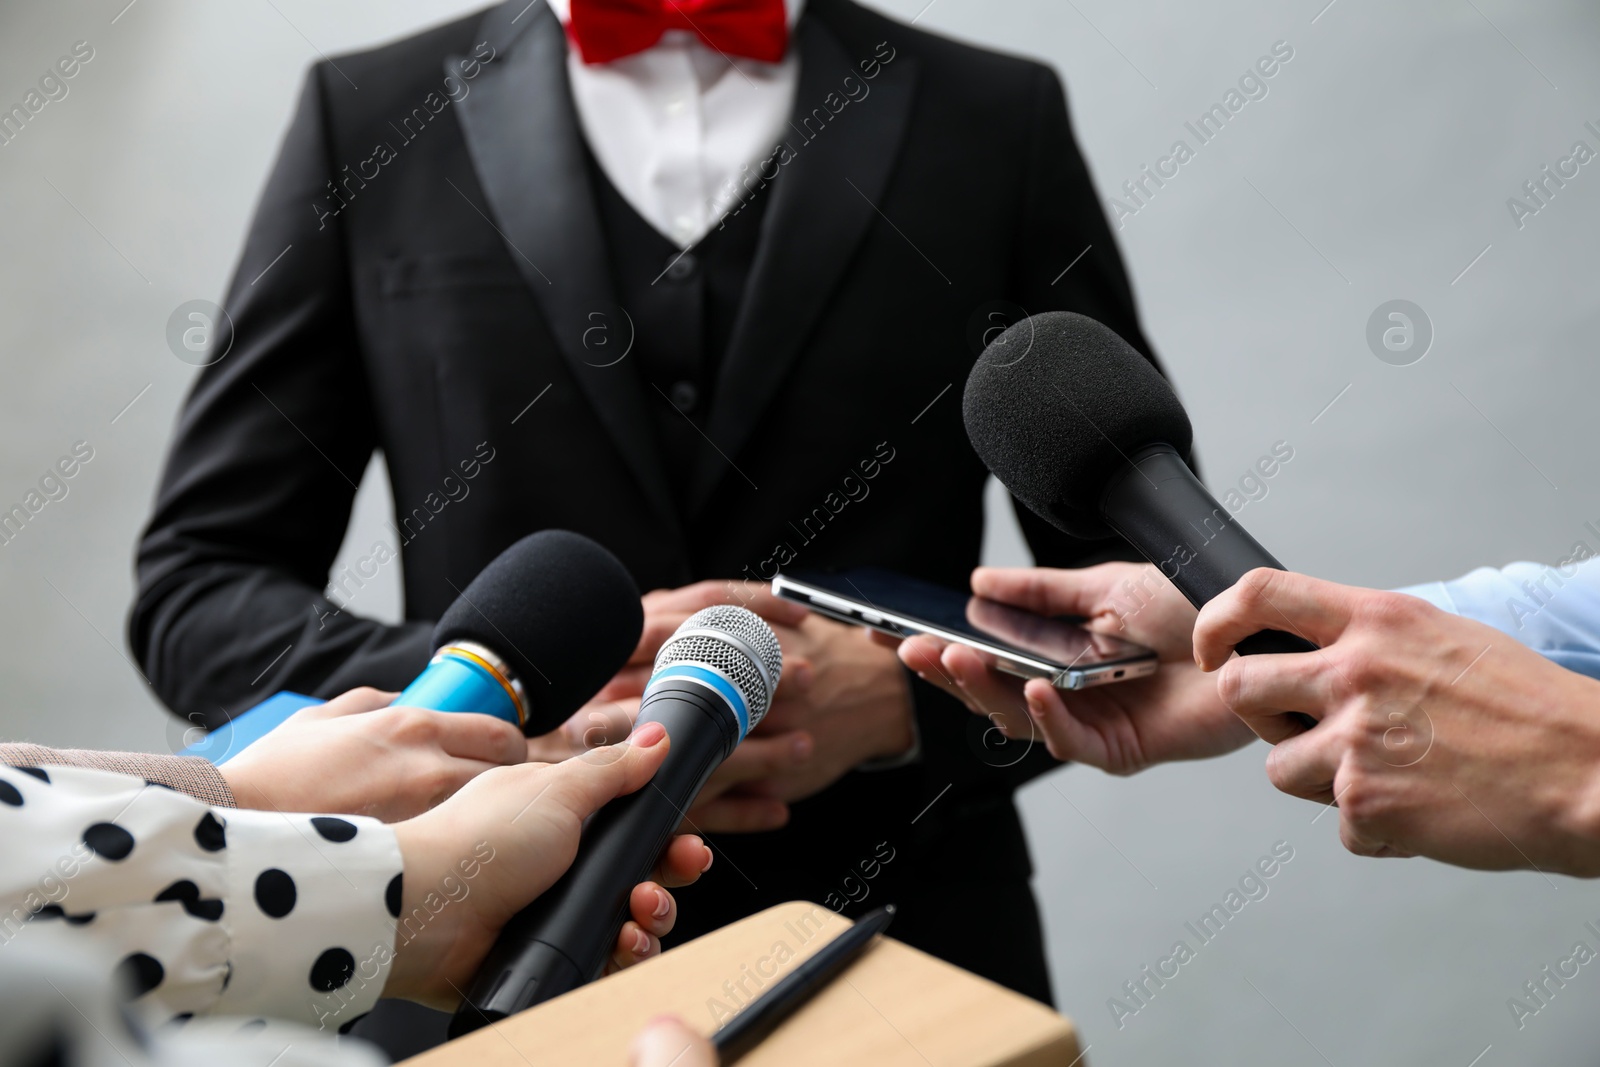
[1084,430]
[540,629]
[713,682]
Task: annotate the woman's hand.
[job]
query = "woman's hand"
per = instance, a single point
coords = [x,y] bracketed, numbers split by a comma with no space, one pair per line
[356,755]
[517,830]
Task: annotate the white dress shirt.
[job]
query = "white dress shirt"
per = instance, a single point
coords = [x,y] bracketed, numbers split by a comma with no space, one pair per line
[676,126]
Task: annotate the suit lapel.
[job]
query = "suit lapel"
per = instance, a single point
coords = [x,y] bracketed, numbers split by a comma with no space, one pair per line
[813,225]
[523,138]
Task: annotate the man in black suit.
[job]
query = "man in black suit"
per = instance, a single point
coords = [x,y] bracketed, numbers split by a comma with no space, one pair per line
[441,268]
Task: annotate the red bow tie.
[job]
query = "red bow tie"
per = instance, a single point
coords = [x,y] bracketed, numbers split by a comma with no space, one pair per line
[605,30]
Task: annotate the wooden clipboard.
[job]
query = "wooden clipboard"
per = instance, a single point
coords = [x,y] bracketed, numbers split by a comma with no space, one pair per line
[893,1006]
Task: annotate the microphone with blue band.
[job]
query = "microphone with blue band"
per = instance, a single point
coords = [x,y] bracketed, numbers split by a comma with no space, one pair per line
[713,682]
[529,640]
[466,676]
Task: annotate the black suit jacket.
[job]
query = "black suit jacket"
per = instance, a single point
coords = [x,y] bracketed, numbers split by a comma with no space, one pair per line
[454,282]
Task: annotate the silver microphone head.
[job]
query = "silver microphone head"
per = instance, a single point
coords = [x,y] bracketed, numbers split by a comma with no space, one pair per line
[735,643]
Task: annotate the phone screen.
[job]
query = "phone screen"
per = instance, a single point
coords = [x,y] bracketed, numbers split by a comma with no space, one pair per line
[1062,642]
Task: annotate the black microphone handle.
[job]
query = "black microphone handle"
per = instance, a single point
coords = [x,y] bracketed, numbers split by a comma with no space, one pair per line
[564,938]
[1161,509]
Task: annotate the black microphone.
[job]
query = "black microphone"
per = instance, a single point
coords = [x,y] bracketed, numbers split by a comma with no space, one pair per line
[713,681]
[536,634]
[1087,433]
[529,640]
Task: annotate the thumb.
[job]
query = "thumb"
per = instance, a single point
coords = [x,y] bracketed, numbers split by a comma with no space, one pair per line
[585,783]
[354,702]
[1047,591]
[666,1041]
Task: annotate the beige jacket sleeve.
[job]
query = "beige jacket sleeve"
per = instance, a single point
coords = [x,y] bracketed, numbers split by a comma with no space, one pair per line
[186,774]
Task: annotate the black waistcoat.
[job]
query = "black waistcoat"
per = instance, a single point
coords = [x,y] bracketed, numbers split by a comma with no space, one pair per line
[682,306]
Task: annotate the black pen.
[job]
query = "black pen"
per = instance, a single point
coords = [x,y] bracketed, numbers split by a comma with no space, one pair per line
[747,1029]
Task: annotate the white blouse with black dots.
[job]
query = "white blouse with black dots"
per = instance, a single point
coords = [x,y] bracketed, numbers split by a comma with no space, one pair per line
[209,911]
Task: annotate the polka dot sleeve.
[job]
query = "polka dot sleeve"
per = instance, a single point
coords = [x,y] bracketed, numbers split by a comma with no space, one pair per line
[207,911]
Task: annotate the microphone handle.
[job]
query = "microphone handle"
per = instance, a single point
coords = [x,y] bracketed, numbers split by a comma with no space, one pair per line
[564,938]
[1162,509]
[472,679]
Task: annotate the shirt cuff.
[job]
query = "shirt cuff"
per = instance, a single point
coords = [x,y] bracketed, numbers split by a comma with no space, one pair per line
[311,921]
[1553,610]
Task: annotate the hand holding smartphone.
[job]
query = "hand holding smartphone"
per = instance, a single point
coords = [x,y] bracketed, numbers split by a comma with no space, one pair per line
[1062,651]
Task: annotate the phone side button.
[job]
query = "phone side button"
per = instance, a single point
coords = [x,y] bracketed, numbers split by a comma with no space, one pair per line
[869,618]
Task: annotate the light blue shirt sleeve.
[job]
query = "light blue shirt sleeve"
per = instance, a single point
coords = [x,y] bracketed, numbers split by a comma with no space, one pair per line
[1553,610]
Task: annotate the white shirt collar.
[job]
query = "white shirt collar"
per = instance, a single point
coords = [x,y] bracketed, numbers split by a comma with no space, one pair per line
[680,131]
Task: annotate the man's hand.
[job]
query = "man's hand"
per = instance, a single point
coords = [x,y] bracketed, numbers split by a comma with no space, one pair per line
[841,702]
[518,829]
[666,609]
[1435,735]
[610,715]
[356,755]
[855,708]
[1121,728]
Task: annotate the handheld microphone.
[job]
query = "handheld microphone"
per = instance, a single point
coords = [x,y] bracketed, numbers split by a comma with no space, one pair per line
[537,633]
[713,681]
[540,629]
[1087,433]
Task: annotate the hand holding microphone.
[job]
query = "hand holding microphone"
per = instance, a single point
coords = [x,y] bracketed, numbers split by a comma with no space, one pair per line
[359,755]
[1083,430]
[1438,736]
[843,702]
[511,650]
[725,805]
[475,860]
[713,682]
[1435,735]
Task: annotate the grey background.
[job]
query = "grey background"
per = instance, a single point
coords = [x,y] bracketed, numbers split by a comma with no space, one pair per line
[1377,168]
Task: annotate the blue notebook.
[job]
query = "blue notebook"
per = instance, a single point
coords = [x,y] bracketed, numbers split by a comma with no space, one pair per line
[230,739]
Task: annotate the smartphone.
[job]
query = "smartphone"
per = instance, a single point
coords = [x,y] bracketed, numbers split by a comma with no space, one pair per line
[1060,650]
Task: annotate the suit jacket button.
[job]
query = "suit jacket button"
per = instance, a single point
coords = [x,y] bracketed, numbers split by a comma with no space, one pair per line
[682,267]
[683,396]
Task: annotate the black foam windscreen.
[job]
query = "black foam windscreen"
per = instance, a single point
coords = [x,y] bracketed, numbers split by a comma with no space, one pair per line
[1057,404]
[563,613]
